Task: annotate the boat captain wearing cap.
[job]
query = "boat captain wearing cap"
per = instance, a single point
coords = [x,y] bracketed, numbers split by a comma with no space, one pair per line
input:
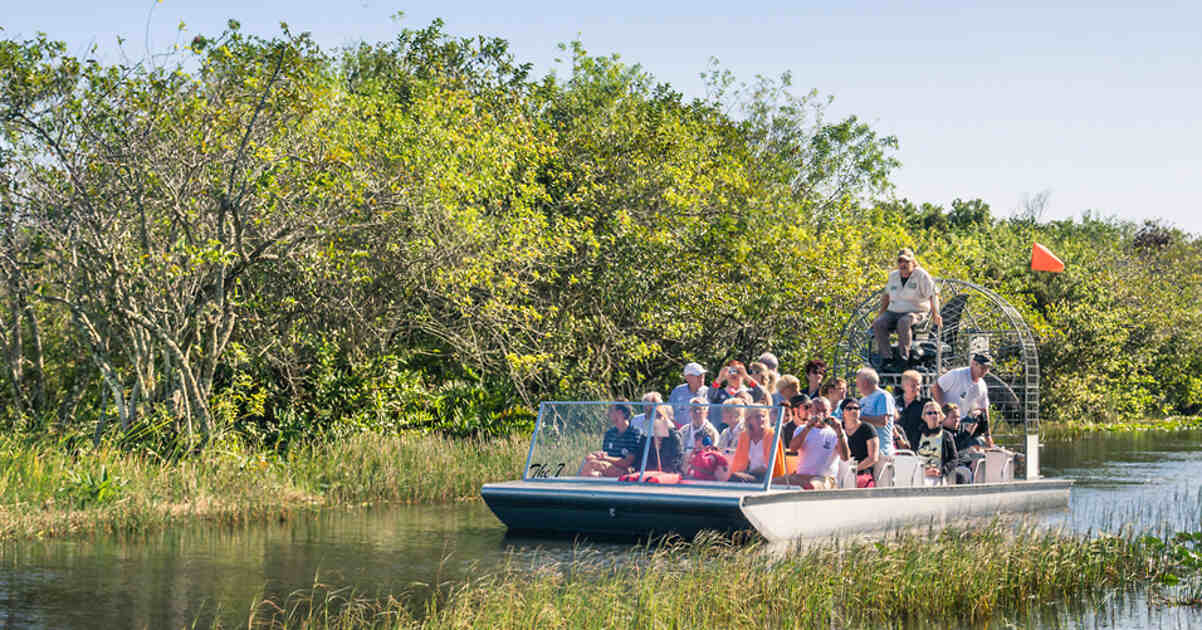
[693,387]
[967,388]
[910,297]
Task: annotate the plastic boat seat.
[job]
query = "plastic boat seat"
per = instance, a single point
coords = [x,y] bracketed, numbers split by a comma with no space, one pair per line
[999,465]
[907,469]
[978,471]
[846,477]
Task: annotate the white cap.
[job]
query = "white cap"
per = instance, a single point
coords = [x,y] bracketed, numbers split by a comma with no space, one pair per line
[693,369]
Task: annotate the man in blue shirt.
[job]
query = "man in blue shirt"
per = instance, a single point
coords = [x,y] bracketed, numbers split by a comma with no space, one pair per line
[876,407]
[693,387]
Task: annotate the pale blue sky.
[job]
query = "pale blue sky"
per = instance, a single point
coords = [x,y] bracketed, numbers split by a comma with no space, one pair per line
[1097,103]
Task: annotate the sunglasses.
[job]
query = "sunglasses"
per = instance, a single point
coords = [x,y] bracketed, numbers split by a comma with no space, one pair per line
[930,413]
[851,408]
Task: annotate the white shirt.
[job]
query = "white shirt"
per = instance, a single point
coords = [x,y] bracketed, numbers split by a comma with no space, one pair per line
[958,388]
[689,434]
[818,453]
[755,455]
[912,297]
[640,422]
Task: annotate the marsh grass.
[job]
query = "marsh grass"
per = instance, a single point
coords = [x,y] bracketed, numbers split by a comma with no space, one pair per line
[48,489]
[1067,430]
[952,577]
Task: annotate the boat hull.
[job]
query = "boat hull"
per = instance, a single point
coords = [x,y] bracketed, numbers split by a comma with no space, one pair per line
[572,508]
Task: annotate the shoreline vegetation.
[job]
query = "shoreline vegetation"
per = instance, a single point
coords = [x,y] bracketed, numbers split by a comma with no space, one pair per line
[49,489]
[1069,429]
[948,578]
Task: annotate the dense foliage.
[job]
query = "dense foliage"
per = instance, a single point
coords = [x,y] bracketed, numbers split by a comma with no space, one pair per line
[261,235]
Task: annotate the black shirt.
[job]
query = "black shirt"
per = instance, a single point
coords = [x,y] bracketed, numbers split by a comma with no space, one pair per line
[857,442]
[669,457]
[909,418]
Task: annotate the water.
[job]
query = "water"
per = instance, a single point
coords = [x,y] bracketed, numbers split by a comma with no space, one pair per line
[190,574]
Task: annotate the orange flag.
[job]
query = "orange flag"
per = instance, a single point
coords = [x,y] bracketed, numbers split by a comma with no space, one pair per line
[1044,260]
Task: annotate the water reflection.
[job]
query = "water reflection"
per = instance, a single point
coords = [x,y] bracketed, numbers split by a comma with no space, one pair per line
[195,573]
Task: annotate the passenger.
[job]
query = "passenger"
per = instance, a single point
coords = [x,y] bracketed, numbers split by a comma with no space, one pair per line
[682,396]
[640,421]
[707,463]
[910,403]
[666,453]
[966,387]
[819,443]
[900,443]
[965,442]
[772,363]
[755,449]
[765,378]
[732,418]
[786,388]
[621,447]
[937,448]
[876,408]
[799,414]
[834,391]
[910,297]
[968,448]
[862,443]
[732,379]
[699,423]
[815,372]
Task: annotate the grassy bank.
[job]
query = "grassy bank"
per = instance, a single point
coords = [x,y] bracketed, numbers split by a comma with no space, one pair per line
[47,490]
[1070,429]
[948,579]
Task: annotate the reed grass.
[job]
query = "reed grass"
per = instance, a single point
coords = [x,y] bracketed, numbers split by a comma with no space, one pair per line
[1069,429]
[47,490]
[951,578]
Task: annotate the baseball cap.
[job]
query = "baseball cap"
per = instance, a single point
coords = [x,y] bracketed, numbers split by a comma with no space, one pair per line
[693,369]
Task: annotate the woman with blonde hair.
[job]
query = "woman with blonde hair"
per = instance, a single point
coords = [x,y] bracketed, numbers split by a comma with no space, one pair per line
[936,446]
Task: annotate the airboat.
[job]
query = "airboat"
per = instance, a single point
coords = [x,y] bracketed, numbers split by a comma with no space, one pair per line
[553,498]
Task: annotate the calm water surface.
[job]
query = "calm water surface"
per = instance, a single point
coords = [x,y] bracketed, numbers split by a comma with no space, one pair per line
[187,575]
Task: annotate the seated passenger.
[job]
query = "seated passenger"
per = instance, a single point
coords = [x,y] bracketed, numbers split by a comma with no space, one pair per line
[621,447]
[732,379]
[666,453]
[706,462]
[640,421]
[910,402]
[815,372]
[937,449]
[762,376]
[786,388]
[755,449]
[681,398]
[968,448]
[798,413]
[965,441]
[732,417]
[698,423]
[819,442]
[862,443]
[834,391]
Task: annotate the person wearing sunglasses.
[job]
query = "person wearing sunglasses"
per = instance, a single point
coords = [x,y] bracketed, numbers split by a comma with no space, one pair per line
[862,443]
[815,372]
[937,448]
